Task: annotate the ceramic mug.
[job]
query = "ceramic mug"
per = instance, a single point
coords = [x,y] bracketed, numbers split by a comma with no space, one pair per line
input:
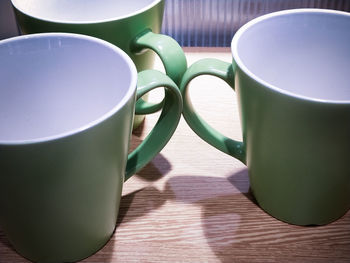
[131,25]
[290,72]
[67,106]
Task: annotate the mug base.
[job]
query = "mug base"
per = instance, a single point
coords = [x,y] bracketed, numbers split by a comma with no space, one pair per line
[72,259]
[303,222]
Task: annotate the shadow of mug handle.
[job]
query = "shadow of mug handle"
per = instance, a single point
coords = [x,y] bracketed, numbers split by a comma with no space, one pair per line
[224,71]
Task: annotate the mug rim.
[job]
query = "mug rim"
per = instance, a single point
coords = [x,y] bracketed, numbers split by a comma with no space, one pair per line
[119,105]
[97,21]
[244,68]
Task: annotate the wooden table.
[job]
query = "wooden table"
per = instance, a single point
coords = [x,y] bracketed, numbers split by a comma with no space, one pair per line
[192,203]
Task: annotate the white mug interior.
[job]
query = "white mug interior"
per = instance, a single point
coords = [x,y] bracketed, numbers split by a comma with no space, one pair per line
[302,52]
[54,84]
[82,11]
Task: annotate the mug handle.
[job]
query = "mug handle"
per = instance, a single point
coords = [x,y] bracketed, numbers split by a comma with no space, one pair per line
[170,53]
[224,71]
[166,124]
[168,50]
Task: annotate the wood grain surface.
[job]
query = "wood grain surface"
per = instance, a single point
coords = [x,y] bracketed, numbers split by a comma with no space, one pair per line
[192,203]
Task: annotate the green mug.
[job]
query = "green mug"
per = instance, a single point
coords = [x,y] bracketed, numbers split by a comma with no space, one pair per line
[66,110]
[290,72]
[133,26]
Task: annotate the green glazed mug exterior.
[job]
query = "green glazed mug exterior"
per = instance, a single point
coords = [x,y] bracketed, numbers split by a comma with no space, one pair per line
[290,72]
[133,26]
[66,122]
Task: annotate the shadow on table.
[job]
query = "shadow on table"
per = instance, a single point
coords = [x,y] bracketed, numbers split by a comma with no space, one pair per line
[228,209]
[4,243]
[238,230]
[142,205]
[227,204]
[216,196]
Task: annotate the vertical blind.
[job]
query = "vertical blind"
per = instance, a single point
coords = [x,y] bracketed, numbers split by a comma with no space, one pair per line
[202,22]
[213,22]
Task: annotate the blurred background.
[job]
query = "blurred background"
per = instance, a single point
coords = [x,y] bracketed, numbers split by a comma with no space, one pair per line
[203,23]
